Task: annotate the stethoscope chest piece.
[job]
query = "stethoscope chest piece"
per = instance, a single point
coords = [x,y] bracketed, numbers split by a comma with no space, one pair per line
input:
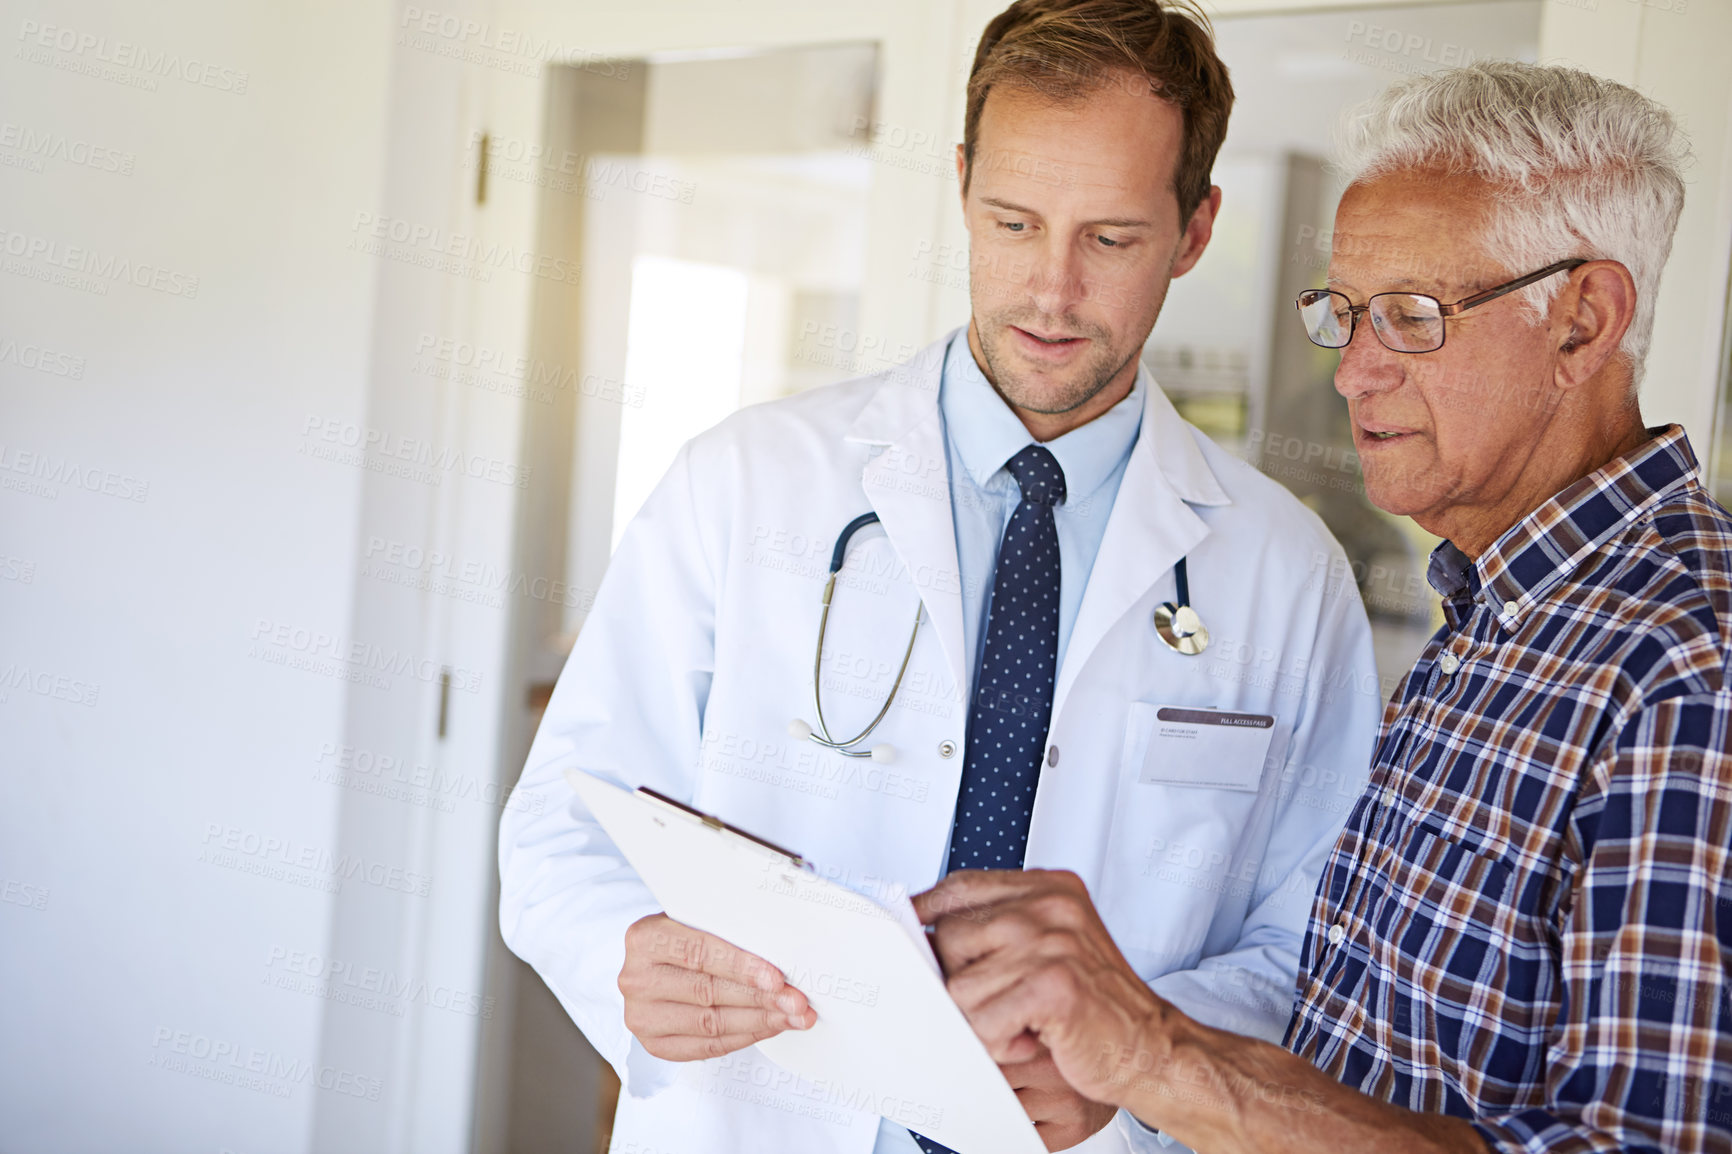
[1178,626]
[1180,629]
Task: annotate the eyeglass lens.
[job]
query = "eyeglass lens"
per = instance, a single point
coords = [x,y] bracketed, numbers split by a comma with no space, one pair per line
[1404,322]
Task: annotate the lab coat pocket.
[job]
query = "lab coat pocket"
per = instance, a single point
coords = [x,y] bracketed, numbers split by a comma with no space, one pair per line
[1173,859]
[1186,745]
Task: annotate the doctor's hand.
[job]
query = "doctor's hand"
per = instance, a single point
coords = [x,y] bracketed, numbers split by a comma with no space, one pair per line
[690,995]
[1040,979]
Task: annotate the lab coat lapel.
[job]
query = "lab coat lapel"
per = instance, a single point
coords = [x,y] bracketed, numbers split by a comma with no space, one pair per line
[907,481]
[1151,526]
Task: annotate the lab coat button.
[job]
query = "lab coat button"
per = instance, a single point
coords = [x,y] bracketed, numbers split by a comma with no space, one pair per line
[1336,934]
[947,749]
[1052,755]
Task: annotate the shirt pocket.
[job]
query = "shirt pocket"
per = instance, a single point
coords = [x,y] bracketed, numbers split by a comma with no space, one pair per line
[1467,974]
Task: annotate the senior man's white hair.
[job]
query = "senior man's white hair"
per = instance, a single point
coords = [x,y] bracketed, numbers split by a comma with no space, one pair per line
[1585,167]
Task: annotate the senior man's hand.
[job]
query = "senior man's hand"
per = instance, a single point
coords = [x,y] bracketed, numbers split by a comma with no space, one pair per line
[1038,976]
[690,995]
[1033,967]
[1061,1116]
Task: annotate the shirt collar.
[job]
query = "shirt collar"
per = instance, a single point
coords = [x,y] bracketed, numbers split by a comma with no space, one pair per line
[1548,544]
[987,433]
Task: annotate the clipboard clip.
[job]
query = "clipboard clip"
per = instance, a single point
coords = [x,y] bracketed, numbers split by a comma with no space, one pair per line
[721,826]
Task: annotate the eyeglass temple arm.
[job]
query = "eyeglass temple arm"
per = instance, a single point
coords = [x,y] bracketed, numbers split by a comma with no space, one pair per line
[1478,299]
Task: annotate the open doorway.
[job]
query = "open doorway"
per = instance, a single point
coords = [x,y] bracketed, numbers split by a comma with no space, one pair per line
[716,205]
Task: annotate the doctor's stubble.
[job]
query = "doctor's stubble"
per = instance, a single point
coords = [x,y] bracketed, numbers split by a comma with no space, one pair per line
[1101,368]
[1096,374]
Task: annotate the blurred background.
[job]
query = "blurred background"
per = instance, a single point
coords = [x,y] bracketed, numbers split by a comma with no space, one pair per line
[338,341]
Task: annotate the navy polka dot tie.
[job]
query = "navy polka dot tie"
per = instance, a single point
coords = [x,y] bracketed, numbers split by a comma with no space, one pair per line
[1013,698]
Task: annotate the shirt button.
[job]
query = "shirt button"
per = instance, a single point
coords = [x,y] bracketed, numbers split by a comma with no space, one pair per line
[1052,755]
[1449,663]
[947,749]
[1336,934]
[1508,610]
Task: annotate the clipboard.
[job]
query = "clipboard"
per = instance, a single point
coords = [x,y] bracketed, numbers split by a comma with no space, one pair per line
[888,1039]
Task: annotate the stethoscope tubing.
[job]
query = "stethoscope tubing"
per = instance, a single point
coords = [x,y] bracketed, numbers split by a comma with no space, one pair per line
[822,737]
[839,557]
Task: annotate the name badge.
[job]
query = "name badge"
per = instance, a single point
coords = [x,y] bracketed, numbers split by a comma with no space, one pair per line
[1209,747]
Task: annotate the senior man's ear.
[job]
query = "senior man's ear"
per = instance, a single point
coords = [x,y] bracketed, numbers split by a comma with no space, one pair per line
[1594,313]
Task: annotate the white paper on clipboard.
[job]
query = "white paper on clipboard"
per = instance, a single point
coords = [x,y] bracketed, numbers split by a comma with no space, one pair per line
[888,1037]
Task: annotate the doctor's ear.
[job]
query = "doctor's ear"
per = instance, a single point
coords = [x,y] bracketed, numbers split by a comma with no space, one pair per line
[1197,232]
[962,182]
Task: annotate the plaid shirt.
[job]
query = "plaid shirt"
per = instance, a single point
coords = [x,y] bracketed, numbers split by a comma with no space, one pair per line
[1528,918]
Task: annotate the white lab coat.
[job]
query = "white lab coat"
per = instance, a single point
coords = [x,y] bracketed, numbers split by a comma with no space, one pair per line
[699,650]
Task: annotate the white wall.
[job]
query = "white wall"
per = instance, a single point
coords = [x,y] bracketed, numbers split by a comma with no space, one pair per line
[143,948]
[265,873]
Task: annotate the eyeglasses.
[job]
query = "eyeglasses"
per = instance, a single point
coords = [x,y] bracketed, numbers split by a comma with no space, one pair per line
[1404,322]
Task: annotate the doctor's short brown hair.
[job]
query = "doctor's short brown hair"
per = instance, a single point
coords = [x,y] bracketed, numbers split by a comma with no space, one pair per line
[1064,49]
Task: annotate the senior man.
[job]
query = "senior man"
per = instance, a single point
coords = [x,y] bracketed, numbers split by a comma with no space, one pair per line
[1520,940]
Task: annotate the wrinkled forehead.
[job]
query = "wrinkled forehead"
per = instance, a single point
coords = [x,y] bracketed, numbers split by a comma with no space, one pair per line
[1418,229]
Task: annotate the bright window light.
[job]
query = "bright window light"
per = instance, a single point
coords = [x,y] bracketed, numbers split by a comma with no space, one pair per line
[684,346]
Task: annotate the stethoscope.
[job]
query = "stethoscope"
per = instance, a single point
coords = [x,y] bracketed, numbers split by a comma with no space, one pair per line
[1177,625]
[799,729]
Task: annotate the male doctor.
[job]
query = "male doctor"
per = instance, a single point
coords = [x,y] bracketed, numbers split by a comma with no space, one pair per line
[1040,498]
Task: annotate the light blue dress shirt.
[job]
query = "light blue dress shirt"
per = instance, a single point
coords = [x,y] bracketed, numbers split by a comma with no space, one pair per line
[981,433]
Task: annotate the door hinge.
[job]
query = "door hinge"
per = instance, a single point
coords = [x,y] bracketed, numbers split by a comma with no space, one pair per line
[481,169]
[444,699]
